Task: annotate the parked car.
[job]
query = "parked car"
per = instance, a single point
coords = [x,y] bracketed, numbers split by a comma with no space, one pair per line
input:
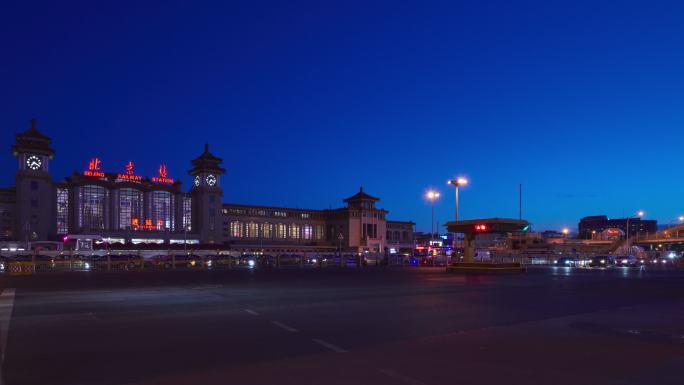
[626,261]
[601,261]
[565,261]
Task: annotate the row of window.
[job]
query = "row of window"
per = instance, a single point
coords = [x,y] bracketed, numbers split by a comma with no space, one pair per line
[239,229]
[265,213]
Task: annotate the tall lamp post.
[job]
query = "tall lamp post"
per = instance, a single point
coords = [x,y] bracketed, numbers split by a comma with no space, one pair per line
[432,196]
[456,183]
[638,215]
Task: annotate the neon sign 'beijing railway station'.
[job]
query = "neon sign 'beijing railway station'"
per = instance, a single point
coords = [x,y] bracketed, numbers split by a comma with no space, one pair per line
[128,208]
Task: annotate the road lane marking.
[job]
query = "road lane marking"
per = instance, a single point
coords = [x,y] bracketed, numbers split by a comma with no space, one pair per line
[401,377]
[252,312]
[6,306]
[330,346]
[282,325]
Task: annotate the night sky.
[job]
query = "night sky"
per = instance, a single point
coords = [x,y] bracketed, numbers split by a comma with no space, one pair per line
[580,101]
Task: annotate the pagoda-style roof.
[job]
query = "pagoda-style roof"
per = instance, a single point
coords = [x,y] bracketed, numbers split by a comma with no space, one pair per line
[207,162]
[33,140]
[361,196]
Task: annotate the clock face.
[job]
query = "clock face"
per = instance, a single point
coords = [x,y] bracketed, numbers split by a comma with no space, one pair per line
[33,162]
[211,180]
[197,180]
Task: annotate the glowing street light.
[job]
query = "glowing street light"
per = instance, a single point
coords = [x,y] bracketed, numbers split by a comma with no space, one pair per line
[432,196]
[639,214]
[681,218]
[565,231]
[456,182]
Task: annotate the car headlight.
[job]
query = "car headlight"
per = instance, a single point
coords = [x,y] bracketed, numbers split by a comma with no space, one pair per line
[314,260]
[624,261]
[250,263]
[87,265]
[603,261]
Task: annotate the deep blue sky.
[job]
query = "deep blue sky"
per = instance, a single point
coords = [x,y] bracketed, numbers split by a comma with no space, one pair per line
[581,101]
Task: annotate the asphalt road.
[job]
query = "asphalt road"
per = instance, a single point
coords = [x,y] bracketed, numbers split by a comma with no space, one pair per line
[372,326]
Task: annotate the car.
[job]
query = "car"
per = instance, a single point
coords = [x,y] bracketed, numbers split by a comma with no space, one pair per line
[601,261]
[626,261]
[565,261]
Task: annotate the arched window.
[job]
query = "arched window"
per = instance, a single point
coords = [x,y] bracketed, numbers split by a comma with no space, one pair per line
[130,208]
[294,231]
[162,210]
[91,213]
[252,230]
[281,231]
[266,230]
[236,229]
[307,232]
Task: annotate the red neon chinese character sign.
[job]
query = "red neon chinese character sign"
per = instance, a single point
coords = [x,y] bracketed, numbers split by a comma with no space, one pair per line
[94,168]
[129,175]
[163,176]
[94,164]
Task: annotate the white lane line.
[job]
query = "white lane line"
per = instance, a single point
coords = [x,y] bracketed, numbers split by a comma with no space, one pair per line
[283,326]
[401,377]
[330,346]
[6,306]
[252,312]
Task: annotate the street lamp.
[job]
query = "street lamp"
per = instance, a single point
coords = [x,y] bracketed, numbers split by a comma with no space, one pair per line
[460,181]
[432,196]
[639,215]
[565,231]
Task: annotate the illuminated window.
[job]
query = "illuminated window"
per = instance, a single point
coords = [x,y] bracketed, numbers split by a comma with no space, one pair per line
[266,230]
[294,231]
[320,232]
[279,213]
[91,213]
[187,212]
[281,230]
[62,211]
[307,232]
[306,215]
[130,207]
[162,210]
[236,229]
[252,230]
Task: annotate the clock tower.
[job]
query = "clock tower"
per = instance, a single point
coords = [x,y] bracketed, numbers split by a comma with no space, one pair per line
[35,200]
[207,196]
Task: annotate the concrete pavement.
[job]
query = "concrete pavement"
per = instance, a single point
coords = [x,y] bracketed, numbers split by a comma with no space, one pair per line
[367,326]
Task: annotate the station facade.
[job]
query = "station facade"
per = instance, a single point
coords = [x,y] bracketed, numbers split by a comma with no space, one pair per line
[126,208]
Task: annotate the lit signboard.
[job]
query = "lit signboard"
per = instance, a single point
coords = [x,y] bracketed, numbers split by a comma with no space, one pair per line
[130,174]
[147,224]
[94,169]
[163,176]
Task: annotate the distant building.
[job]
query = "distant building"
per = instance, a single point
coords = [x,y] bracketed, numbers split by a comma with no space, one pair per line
[592,225]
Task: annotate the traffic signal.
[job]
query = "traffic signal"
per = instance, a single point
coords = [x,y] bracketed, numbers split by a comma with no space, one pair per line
[481,228]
